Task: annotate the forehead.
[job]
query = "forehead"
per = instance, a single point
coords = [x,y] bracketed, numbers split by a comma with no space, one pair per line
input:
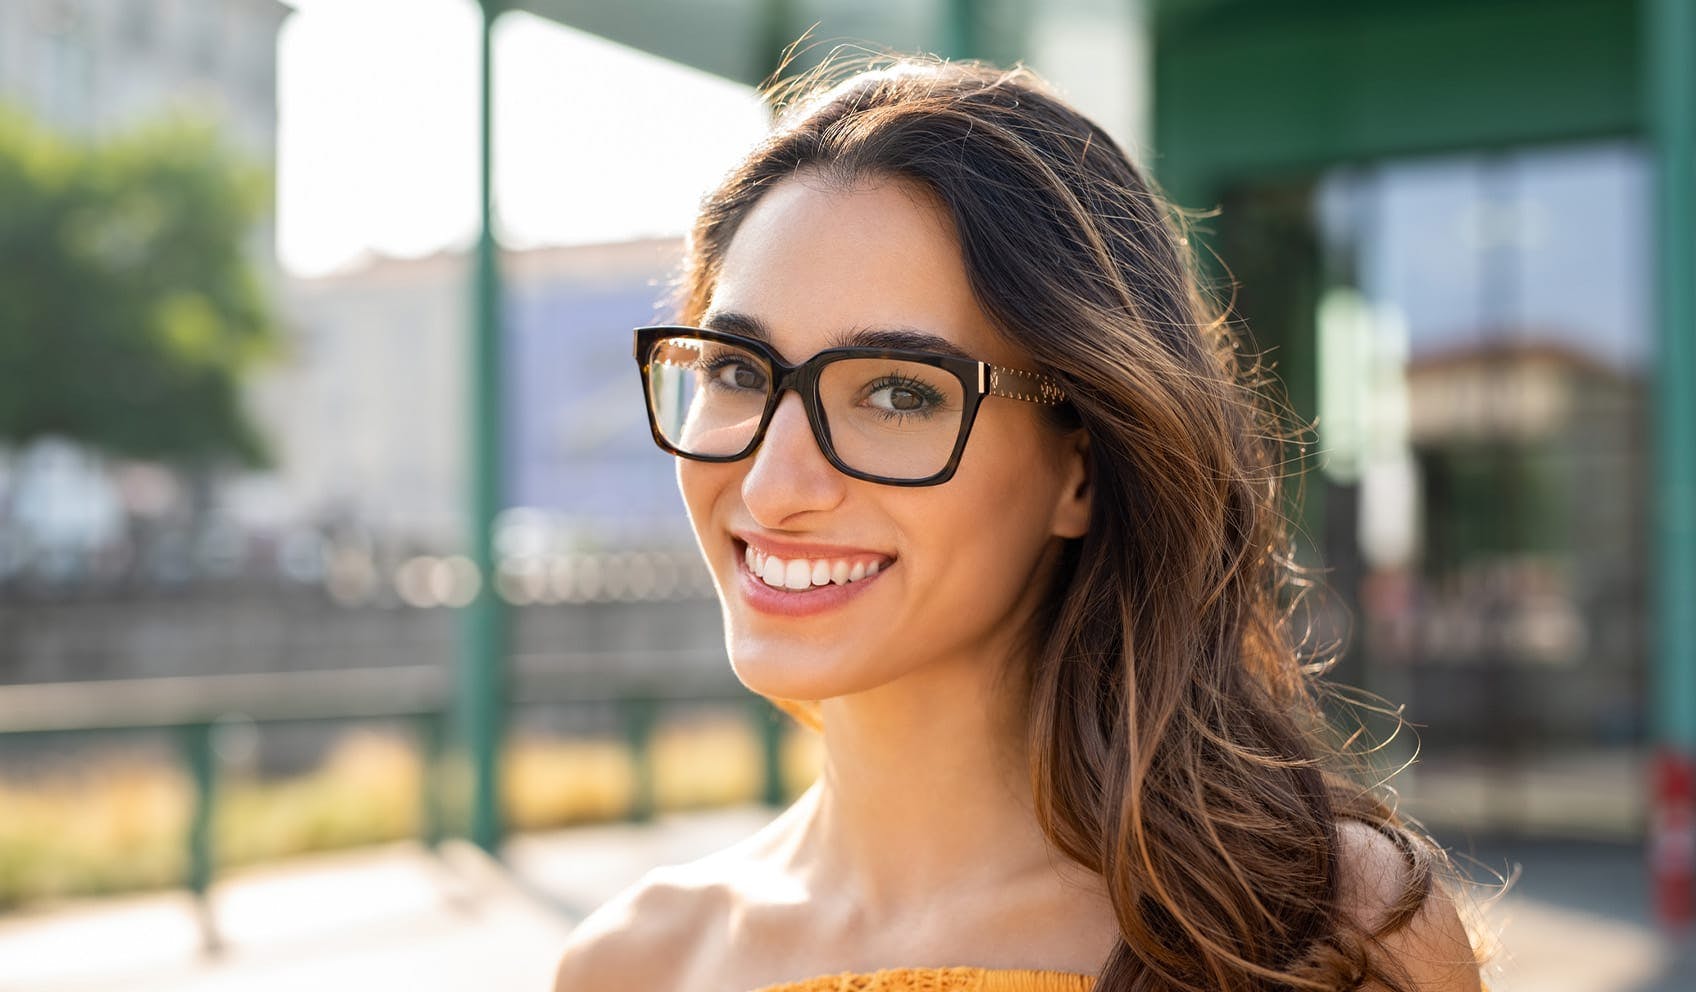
[815,265]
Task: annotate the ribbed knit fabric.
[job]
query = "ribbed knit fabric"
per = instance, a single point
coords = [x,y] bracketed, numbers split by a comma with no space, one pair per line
[941,980]
[945,980]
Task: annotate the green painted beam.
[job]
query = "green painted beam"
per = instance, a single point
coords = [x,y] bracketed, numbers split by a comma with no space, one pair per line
[1670,43]
[740,39]
[723,37]
[1246,91]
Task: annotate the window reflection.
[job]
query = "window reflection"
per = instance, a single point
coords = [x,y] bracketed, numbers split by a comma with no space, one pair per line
[1481,356]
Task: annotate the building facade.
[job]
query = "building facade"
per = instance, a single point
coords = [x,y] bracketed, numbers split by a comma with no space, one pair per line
[95,66]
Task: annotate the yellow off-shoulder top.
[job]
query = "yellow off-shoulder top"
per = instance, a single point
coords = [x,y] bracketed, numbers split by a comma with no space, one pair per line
[941,980]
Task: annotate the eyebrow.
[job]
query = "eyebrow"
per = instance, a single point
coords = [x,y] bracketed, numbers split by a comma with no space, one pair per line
[895,338]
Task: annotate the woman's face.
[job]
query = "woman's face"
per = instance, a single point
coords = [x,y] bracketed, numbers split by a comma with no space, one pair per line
[958,566]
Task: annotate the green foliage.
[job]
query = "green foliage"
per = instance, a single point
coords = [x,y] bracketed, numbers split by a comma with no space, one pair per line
[130,308]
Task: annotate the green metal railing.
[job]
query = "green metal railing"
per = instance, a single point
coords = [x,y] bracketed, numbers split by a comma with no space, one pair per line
[192,708]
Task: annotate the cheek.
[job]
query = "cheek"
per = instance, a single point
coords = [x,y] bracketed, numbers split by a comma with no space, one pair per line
[989,524]
[701,484]
[1010,476]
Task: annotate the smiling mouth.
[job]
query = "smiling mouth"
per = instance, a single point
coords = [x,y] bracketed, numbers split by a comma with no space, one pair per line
[805,574]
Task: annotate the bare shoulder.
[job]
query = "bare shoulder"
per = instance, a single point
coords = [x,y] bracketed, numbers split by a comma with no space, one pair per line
[645,937]
[1432,947]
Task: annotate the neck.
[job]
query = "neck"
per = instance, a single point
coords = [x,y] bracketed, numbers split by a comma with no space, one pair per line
[924,790]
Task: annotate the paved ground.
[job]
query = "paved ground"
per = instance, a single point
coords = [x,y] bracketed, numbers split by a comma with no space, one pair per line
[1576,917]
[391,917]
[399,917]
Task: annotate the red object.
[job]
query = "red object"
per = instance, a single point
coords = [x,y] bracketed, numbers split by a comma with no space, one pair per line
[1672,837]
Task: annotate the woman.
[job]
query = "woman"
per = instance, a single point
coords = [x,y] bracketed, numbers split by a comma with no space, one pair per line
[991,504]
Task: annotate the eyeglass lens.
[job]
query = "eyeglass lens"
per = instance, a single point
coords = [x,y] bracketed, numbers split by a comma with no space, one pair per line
[888,418]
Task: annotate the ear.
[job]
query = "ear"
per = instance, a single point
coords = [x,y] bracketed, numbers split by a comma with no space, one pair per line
[1071,508]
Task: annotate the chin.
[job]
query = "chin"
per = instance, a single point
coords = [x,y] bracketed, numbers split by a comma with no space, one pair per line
[787,669]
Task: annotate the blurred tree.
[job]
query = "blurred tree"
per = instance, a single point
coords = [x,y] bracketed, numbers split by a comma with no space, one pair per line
[130,307]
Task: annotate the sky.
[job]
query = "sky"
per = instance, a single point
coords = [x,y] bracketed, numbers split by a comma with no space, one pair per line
[377,133]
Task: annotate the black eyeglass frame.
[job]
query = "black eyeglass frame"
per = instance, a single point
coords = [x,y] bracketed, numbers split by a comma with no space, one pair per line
[977,379]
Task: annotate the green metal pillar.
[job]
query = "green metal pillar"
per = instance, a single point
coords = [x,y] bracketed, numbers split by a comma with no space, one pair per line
[1671,31]
[482,669]
[1670,45]
[640,712]
[768,728]
[430,746]
[777,20]
[202,762]
[963,38]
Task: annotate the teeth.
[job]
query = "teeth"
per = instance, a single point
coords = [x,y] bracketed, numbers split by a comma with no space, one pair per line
[805,573]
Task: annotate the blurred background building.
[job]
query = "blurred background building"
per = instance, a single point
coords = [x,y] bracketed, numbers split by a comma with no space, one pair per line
[94,68]
[1440,221]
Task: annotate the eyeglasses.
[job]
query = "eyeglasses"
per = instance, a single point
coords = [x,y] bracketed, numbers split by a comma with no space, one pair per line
[900,418]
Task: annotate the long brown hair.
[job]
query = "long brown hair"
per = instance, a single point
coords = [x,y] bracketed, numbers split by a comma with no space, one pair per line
[1178,745]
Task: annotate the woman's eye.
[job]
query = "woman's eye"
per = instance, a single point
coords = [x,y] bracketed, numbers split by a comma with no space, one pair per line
[734,374]
[899,398]
[903,396]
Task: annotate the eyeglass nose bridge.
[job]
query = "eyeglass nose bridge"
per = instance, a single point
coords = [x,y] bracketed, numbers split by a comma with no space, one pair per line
[803,380]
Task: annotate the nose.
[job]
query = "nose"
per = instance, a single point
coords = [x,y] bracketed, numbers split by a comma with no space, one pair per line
[788,474]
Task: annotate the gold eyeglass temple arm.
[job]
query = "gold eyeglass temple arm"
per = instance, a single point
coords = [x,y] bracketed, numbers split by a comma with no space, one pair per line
[1032,387]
